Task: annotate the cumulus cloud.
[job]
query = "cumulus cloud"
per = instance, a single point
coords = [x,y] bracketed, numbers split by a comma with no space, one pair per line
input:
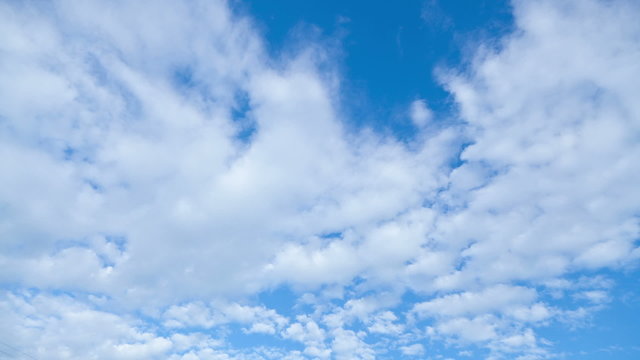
[160,170]
[419,112]
[489,300]
[413,350]
[146,150]
[555,136]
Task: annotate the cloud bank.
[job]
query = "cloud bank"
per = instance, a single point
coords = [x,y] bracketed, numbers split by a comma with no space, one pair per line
[160,171]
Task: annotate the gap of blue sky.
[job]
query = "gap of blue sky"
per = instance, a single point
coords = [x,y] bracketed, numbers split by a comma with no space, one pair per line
[388,53]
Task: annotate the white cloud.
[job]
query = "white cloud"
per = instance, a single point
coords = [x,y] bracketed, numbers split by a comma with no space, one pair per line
[547,185]
[126,174]
[348,344]
[554,135]
[138,157]
[594,296]
[413,350]
[257,319]
[496,298]
[385,323]
[419,112]
[59,327]
[192,315]
[555,131]
[309,333]
[478,329]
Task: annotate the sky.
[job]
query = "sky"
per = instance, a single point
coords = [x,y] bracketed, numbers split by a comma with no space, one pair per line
[348,180]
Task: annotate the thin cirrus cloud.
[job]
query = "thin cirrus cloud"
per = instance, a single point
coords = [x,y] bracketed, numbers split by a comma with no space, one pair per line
[140,220]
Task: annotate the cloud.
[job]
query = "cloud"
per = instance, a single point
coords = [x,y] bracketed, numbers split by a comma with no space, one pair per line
[161,171]
[59,327]
[139,153]
[554,133]
[413,350]
[496,298]
[419,112]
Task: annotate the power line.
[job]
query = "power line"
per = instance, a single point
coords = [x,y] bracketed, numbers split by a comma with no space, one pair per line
[15,349]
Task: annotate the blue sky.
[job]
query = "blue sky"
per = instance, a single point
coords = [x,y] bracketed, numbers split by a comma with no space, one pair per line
[386,61]
[252,180]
